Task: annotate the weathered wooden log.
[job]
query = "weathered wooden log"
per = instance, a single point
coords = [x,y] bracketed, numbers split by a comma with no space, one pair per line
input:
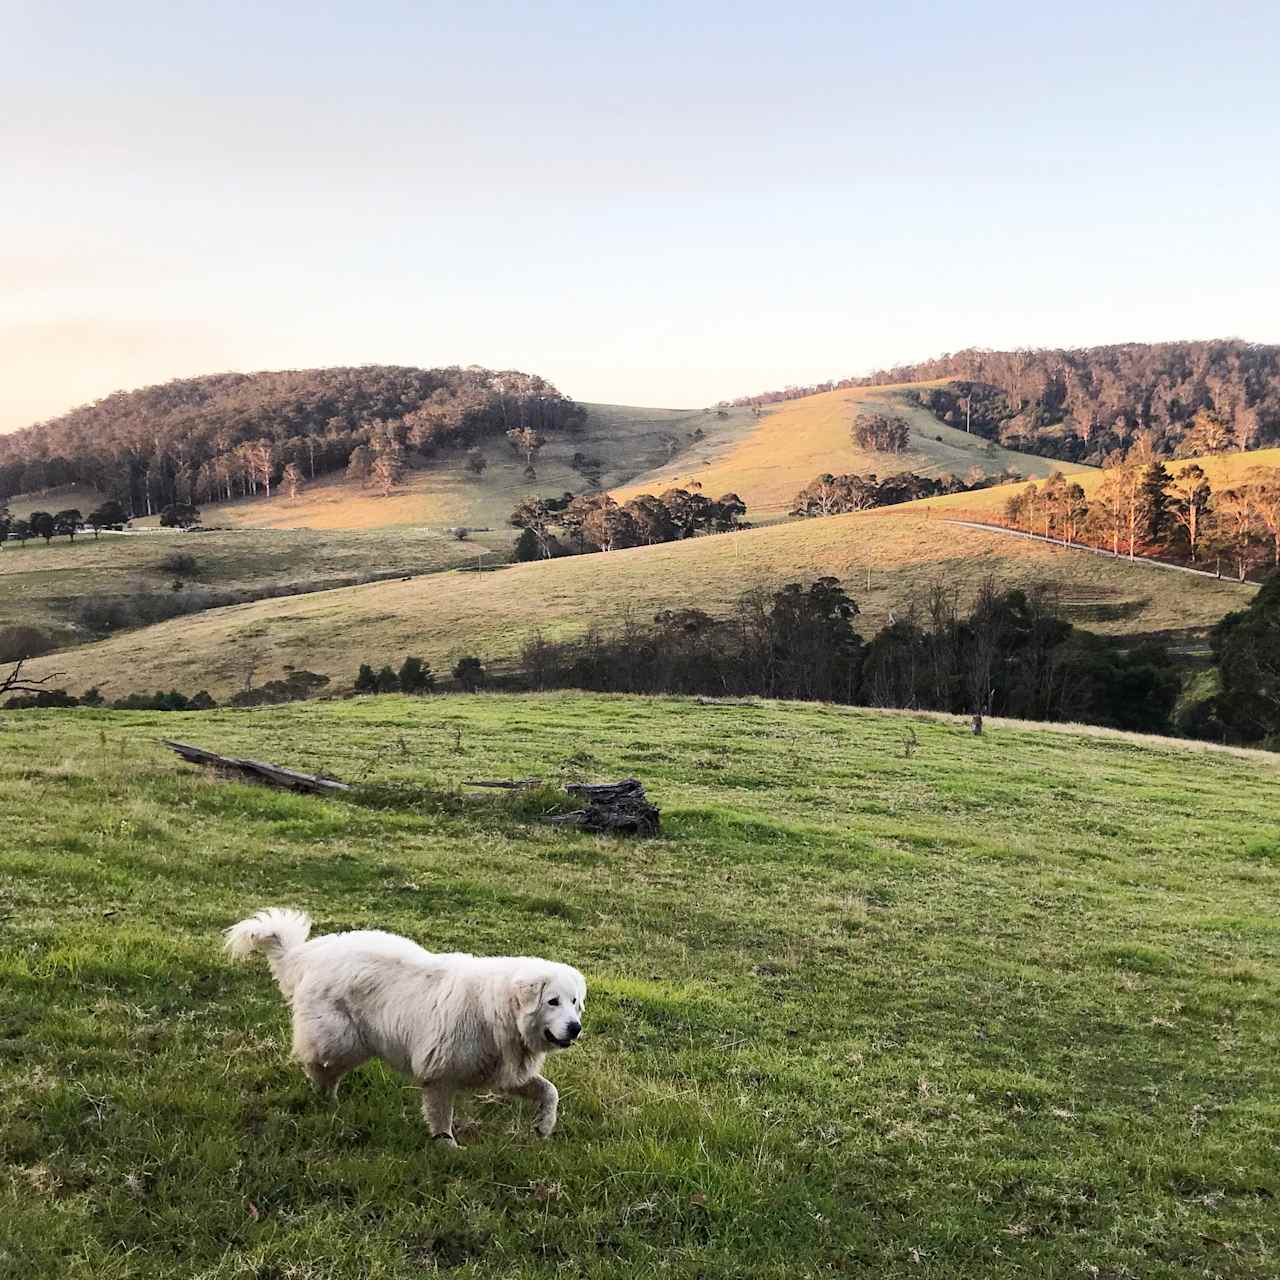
[273,775]
[509,784]
[612,807]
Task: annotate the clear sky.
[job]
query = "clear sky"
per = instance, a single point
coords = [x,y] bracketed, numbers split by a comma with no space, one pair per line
[662,203]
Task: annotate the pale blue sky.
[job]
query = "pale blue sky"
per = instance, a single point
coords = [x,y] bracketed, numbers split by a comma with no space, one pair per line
[654,204]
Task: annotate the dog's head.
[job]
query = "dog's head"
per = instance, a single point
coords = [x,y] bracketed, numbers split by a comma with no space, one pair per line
[550,1000]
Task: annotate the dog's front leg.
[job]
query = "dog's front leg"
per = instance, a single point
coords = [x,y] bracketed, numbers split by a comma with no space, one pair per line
[437,1110]
[541,1091]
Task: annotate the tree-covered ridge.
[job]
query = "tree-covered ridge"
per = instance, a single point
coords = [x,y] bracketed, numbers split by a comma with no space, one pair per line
[230,434]
[1080,404]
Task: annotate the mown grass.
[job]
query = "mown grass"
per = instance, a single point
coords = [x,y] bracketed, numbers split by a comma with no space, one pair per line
[443,616]
[798,440]
[48,584]
[1001,1007]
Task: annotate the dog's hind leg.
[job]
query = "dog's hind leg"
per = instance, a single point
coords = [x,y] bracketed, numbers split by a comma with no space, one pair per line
[437,1111]
[547,1097]
[327,1045]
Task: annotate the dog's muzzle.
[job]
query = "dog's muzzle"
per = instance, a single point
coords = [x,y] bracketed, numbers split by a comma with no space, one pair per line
[574,1029]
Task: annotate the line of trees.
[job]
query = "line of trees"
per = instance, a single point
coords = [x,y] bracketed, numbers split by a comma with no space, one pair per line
[1009,654]
[239,435]
[1141,508]
[1080,404]
[830,495]
[595,522]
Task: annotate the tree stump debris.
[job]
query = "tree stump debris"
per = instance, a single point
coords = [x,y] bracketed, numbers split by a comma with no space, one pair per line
[273,775]
[615,808]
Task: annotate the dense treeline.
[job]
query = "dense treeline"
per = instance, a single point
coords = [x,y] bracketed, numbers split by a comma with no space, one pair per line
[1010,654]
[1080,404]
[830,495]
[595,522]
[1140,508]
[233,435]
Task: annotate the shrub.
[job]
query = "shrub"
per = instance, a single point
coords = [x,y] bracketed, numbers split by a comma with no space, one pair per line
[386,681]
[366,681]
[470,673]
[527,546]
[162,701]
[180,563]
[45,698]
[295,687]
[416,676]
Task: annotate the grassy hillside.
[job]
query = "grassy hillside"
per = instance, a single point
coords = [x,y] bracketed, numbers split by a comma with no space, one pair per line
[48,585]
[800,439]
[627,440]
[1005,1008]
[1222,470]
[446,615]
[60,499]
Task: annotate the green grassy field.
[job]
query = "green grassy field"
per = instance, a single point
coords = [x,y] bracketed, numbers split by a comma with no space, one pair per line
[443,616]
[997,1007]
[46,585]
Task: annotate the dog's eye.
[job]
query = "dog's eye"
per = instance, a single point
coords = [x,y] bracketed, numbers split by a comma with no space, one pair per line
[556,1001]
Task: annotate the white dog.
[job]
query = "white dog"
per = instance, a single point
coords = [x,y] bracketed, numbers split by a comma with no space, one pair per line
[447,1021]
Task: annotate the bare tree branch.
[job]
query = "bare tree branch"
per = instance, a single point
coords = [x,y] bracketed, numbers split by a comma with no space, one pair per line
[13,681]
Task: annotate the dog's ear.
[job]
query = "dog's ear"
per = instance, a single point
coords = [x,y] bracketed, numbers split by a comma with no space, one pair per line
[527,994]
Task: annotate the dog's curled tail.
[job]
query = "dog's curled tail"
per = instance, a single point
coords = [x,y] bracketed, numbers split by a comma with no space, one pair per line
[274,931]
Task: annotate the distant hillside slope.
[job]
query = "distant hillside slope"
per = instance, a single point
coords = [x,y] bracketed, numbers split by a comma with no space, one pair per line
[232,434]
[624,441]
[1221,471]
[794,442]
[1078,404]
[79,591]
[491,615]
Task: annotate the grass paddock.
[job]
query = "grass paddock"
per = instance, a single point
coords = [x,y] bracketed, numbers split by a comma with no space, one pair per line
[884,999]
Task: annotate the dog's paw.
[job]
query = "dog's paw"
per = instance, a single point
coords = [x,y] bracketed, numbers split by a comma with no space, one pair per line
[445,1140]
[544,1131]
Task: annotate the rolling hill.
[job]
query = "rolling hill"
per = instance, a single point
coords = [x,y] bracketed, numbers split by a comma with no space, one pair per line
[765,459]
[624,440]
[72,590]
[1222,470]
[797,440]
[445,615]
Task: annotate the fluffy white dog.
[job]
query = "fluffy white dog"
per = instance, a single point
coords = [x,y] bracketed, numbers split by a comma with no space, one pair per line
[448,1022]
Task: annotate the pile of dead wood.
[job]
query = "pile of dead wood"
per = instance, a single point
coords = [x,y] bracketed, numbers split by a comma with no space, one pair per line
[616,808]
[613,807]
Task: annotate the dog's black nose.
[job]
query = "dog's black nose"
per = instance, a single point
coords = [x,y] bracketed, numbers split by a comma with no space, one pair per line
[574,1028]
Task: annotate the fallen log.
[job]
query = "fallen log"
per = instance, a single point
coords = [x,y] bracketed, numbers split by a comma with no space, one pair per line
[612,807]
[273,775]
[509,784]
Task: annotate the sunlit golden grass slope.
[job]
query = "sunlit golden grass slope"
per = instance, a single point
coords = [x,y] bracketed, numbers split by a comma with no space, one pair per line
[798,440]
[1222,470]
[62,498]
[445,615]
[628,441]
